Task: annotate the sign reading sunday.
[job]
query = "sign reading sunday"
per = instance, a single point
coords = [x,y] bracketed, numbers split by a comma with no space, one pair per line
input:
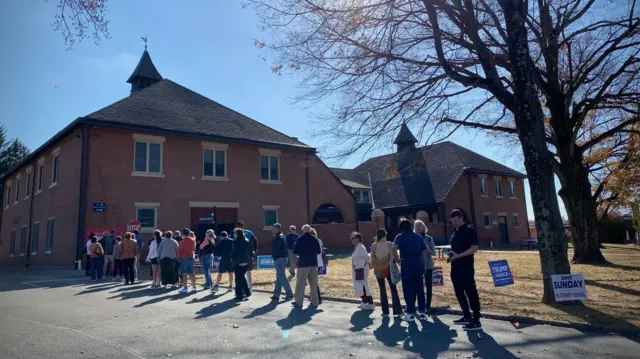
[501,273]
[569,287]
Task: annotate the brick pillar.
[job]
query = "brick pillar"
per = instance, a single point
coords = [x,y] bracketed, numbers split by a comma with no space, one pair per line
[377,217]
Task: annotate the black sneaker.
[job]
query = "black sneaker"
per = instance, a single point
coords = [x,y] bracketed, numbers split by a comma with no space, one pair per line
[473,326]
[462,321]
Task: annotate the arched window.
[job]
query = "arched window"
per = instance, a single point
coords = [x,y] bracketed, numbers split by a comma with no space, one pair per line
[328,213]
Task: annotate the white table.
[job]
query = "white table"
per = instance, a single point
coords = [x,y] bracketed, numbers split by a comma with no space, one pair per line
[441,249]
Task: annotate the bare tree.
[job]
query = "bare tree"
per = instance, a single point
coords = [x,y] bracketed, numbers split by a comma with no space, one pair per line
[77,19]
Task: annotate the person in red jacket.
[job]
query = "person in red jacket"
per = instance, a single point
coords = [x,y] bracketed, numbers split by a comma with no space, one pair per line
[186,252]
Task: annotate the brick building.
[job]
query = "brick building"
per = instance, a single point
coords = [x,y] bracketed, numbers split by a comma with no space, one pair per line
[430,181]
[169,158]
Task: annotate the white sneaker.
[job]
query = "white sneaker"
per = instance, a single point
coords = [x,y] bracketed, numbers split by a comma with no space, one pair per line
[361,306]
[368,306]
[214,288]
[408,317]
[423,316]
[193,289]
[184,290]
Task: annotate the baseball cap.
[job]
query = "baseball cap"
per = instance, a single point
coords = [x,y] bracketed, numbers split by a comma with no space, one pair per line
[186,231]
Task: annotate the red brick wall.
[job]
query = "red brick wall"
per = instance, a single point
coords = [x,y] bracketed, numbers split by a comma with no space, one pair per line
[59,201]
[459,197]
[337,237]
[110,181]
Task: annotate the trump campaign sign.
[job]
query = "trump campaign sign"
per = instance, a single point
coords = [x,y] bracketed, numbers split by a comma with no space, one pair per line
[437,277]
[501,273]
[569,287]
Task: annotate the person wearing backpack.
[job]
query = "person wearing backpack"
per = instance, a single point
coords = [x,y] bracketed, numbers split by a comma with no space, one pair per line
[280,255]
[382,254]
[97,259]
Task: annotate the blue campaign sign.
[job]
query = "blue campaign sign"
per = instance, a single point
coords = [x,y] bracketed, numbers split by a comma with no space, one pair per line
[322,270]
[266,262]
[501,273]
[99,207]
[215,264]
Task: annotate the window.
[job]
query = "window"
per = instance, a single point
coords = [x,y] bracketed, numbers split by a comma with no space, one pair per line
[487,220]
[483,186]
[34,238]
[147,156]
[147,215]
[7,195]
[362,195]
[12,243]
[40,175]
[214,161]
[498,182]
[269,166]
[365,197]
[54,167]
[512,188]
[48,246]
[270,216]
[23,240]
[17,197]
[516,220]
[27,185]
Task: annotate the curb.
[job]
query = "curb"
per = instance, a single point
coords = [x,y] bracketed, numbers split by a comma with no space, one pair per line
[501,317]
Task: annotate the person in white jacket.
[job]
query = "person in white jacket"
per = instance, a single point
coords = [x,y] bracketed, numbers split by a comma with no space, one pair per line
[152,257]
[360,261]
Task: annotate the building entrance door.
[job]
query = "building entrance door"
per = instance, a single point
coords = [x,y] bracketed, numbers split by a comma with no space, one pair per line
[504,231]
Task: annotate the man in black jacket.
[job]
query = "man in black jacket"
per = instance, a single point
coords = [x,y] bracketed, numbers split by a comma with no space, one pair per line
[307,249]
[279,253]
[241,258]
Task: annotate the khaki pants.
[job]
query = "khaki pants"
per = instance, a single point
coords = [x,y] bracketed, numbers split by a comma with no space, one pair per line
[292,262]
[108,261]
[304,274]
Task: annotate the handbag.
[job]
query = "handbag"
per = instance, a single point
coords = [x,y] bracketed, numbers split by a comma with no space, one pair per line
[359,273]
[394,272]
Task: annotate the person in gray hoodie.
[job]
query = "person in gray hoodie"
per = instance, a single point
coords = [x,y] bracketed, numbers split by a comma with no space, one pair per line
[168,253]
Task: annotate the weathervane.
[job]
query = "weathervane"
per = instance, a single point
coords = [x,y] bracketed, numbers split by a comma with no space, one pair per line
[145,41]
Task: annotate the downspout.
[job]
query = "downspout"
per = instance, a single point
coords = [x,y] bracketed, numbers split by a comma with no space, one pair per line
[471,203]
[34,171]
[82,197]
[306,171]
[373,203]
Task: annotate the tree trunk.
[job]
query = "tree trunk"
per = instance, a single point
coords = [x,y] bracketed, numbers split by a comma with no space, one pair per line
[581,208]
[537,159]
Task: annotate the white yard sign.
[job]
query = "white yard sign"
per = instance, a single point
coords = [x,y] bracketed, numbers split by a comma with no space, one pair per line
[569,287]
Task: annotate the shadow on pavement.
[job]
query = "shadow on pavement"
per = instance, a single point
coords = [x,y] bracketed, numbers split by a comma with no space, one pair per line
[216,308]
[591,315]
[97,288]
[390,335]
[298,316]
[206,298]
[262,310]
[361,319]
[433,339]
[487,346]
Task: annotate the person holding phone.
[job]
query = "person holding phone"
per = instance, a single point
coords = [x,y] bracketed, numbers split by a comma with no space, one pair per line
[206,256]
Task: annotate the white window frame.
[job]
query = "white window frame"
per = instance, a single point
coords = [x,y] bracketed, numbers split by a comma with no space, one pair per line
[512,181]
[486,214]
[46,239]
[496,180]
[7,198]
[148,139]
[13,232]
[213,146]
[26,241]
[32,234]
[486,185]
[55,171]
[148,205]
[270,153]
[40,169]
[16,197]
[275,208]
[519,223]
[27,188]
[360,198]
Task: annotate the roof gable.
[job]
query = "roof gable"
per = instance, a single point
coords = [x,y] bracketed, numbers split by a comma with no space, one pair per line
[169,106]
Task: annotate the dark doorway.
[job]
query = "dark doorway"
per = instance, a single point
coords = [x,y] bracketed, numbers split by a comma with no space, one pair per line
[328,213]
[504,232]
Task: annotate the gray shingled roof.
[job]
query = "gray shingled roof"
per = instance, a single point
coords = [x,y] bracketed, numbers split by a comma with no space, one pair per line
[145,68]
[396,183]
[169,106]
[405,135]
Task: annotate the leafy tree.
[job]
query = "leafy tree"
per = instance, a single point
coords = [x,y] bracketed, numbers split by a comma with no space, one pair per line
[11,155]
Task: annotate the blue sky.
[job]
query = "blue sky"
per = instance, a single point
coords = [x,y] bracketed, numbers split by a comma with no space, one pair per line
[204,45]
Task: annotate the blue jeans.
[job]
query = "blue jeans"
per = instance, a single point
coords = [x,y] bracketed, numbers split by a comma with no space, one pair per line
[207,260]
[412,288]
[281,278]
[97,264]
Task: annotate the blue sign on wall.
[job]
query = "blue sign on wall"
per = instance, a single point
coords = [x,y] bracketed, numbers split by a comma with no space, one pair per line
[266,262]
[99,207]
[501,273]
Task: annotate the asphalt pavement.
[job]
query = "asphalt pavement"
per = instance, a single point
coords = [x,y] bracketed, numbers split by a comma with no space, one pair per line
[47,313]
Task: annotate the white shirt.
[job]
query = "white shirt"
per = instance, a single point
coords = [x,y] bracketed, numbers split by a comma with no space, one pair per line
[88,245]
[153,250]
[320,262]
